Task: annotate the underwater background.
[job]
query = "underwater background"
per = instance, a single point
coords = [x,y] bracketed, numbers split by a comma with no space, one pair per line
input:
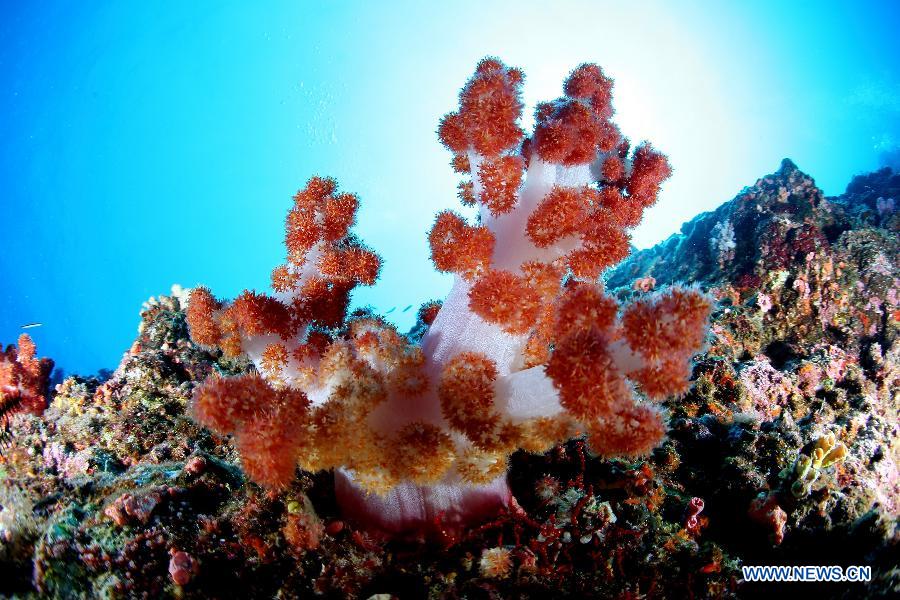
[709,408]
[146,144]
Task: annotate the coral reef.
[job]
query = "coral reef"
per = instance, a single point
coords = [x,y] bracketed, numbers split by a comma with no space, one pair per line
[115,491]
[527,351]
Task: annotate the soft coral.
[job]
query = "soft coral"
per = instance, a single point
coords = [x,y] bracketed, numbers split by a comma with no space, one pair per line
[24,380]
[526,351]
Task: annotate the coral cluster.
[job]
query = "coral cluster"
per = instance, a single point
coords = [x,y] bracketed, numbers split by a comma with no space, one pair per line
[24,381]
[527,350]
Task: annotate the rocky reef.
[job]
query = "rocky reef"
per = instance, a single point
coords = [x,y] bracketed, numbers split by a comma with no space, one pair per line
[785,450]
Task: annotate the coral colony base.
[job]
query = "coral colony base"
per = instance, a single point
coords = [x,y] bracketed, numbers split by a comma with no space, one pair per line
[527,350]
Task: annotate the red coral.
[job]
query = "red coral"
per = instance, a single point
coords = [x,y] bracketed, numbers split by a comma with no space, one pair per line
[490,106]
[559,214]
[634,431]
[506,299]
[467,395]
[224,405]
[460,163]
[766,511]
[583,307]
[605,244]
[200,317]
[24,380]
[452,133]
[322,302]
[303,532]
[627,212]
[664,379]
[270,450]
[258,314]
[339,213]
[302,230]
[582,369]
[268,423]
[182,567]
[428,311]
[355,394]
[422,452]
[673,323]
[587,82]
[573,129]
[283,279]
[500,179]
[544,278]
[649,169]
[322,219]
[457,247]
[466,193]
[352,264]
[612,169]
[691,517]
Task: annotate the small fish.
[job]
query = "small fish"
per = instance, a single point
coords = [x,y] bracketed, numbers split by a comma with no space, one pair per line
[390,311]
[31,325]
[407,308]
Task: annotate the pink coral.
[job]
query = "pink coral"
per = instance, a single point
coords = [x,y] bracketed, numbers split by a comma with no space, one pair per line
[525,352]
[182,567]
[692,514]
[766,511]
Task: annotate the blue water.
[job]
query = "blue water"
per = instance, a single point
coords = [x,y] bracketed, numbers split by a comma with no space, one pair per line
[146,144]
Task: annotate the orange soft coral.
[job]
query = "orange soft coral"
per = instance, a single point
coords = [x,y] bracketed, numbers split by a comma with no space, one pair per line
[506,299]
[672,323]
[500,179]
[526,351]
[561,213]
[24,380]
[635,431]
[583,370]
[457,247]
[466,393]
[200,317]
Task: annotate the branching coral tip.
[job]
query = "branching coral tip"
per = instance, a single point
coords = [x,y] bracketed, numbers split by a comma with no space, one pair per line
[526,351]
